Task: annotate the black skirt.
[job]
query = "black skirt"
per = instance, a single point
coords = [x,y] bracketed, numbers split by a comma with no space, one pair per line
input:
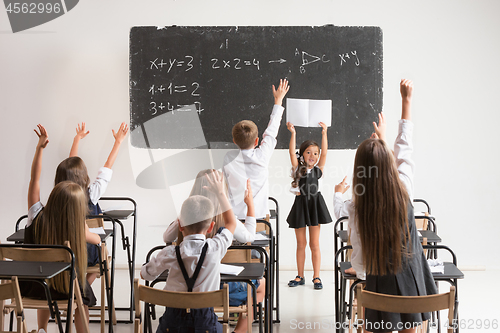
[310,211]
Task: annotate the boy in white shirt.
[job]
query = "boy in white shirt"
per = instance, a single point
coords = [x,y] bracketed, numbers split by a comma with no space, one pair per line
[251,162]
[195,251]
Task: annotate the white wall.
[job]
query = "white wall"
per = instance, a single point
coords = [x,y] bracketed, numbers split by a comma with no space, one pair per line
[75,69]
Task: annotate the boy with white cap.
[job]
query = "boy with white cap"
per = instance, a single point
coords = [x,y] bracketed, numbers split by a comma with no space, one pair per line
[194,265]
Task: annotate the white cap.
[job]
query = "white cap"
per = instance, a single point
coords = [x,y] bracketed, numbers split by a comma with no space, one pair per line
[195,209]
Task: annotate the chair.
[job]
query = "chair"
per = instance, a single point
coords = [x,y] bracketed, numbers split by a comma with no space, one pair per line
[49,253]
[102,270]
[406,304]
[240,256]
[180,300]
[10,290]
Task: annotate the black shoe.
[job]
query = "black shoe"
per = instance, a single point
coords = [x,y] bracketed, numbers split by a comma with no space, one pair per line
[317,285]
[295,283]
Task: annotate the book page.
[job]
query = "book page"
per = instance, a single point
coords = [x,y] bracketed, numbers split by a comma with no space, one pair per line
[231,269]
[320,110]
[297,112]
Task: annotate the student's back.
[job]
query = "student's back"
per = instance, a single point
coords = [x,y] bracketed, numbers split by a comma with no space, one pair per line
[194,265]
[252,163]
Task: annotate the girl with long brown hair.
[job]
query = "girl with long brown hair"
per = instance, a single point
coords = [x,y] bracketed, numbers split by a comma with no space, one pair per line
[382,224]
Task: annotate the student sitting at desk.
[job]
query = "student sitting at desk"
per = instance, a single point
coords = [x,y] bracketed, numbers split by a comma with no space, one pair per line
[73,168]
[382,223]
[244,233]
[196,220]
[62,219]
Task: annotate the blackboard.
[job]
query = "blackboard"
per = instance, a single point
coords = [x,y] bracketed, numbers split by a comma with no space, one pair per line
[190,85]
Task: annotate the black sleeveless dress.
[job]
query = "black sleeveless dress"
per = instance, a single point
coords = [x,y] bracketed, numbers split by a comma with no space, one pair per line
[309,208]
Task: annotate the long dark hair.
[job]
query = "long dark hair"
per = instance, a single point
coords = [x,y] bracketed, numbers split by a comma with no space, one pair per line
[301,167]
[380,201]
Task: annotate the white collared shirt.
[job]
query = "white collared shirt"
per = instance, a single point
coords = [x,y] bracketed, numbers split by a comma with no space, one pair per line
[243,164]
[190,249]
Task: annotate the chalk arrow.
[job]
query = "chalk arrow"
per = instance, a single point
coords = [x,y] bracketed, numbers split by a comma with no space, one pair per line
[280,61]
[308,59]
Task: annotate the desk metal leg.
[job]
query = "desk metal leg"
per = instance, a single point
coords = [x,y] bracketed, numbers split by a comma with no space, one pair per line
[112,282]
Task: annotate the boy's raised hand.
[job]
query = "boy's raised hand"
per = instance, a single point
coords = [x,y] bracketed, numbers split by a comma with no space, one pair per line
[80,131]
[43,136]
[290,127]
[121,133]
[380,128]
[280,93]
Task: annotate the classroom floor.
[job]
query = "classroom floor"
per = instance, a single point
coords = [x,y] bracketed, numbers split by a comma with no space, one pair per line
[305,310]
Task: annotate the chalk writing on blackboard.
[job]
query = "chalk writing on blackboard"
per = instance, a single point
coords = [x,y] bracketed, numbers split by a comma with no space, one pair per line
[225,74]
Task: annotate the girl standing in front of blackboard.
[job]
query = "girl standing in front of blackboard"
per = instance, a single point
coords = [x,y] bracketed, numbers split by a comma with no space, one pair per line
[309,208]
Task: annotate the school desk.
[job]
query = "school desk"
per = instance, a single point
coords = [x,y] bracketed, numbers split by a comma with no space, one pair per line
[39,271]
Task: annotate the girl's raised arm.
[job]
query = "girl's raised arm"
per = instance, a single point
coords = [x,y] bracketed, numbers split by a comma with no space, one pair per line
[406,88]
[80,134]
[324,146]
[119,136]
[291,147]
[36,166]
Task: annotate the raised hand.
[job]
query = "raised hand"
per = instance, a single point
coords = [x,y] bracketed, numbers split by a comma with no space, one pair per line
[80,131]
[406,88]
[324,128]
[121,133]
[43,136]
[342,187]
[380,128]
[280,93]
[290,127]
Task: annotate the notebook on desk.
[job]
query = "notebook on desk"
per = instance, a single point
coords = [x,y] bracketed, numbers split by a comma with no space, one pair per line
[231,269]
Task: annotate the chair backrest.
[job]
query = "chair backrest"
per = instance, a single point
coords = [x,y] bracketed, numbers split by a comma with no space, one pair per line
[43,253]
[95,223]
[406,304]
[10,290]
[180,300]
[421,223]
[237,256]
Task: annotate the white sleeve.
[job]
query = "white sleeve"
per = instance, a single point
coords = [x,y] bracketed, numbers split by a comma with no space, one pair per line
[357,254]
[220,242]
[346,208]
[340,207]
[33,212]
[171,233]
[98,187]
[245,232]
[269,137]
[158,264]
[403,149]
